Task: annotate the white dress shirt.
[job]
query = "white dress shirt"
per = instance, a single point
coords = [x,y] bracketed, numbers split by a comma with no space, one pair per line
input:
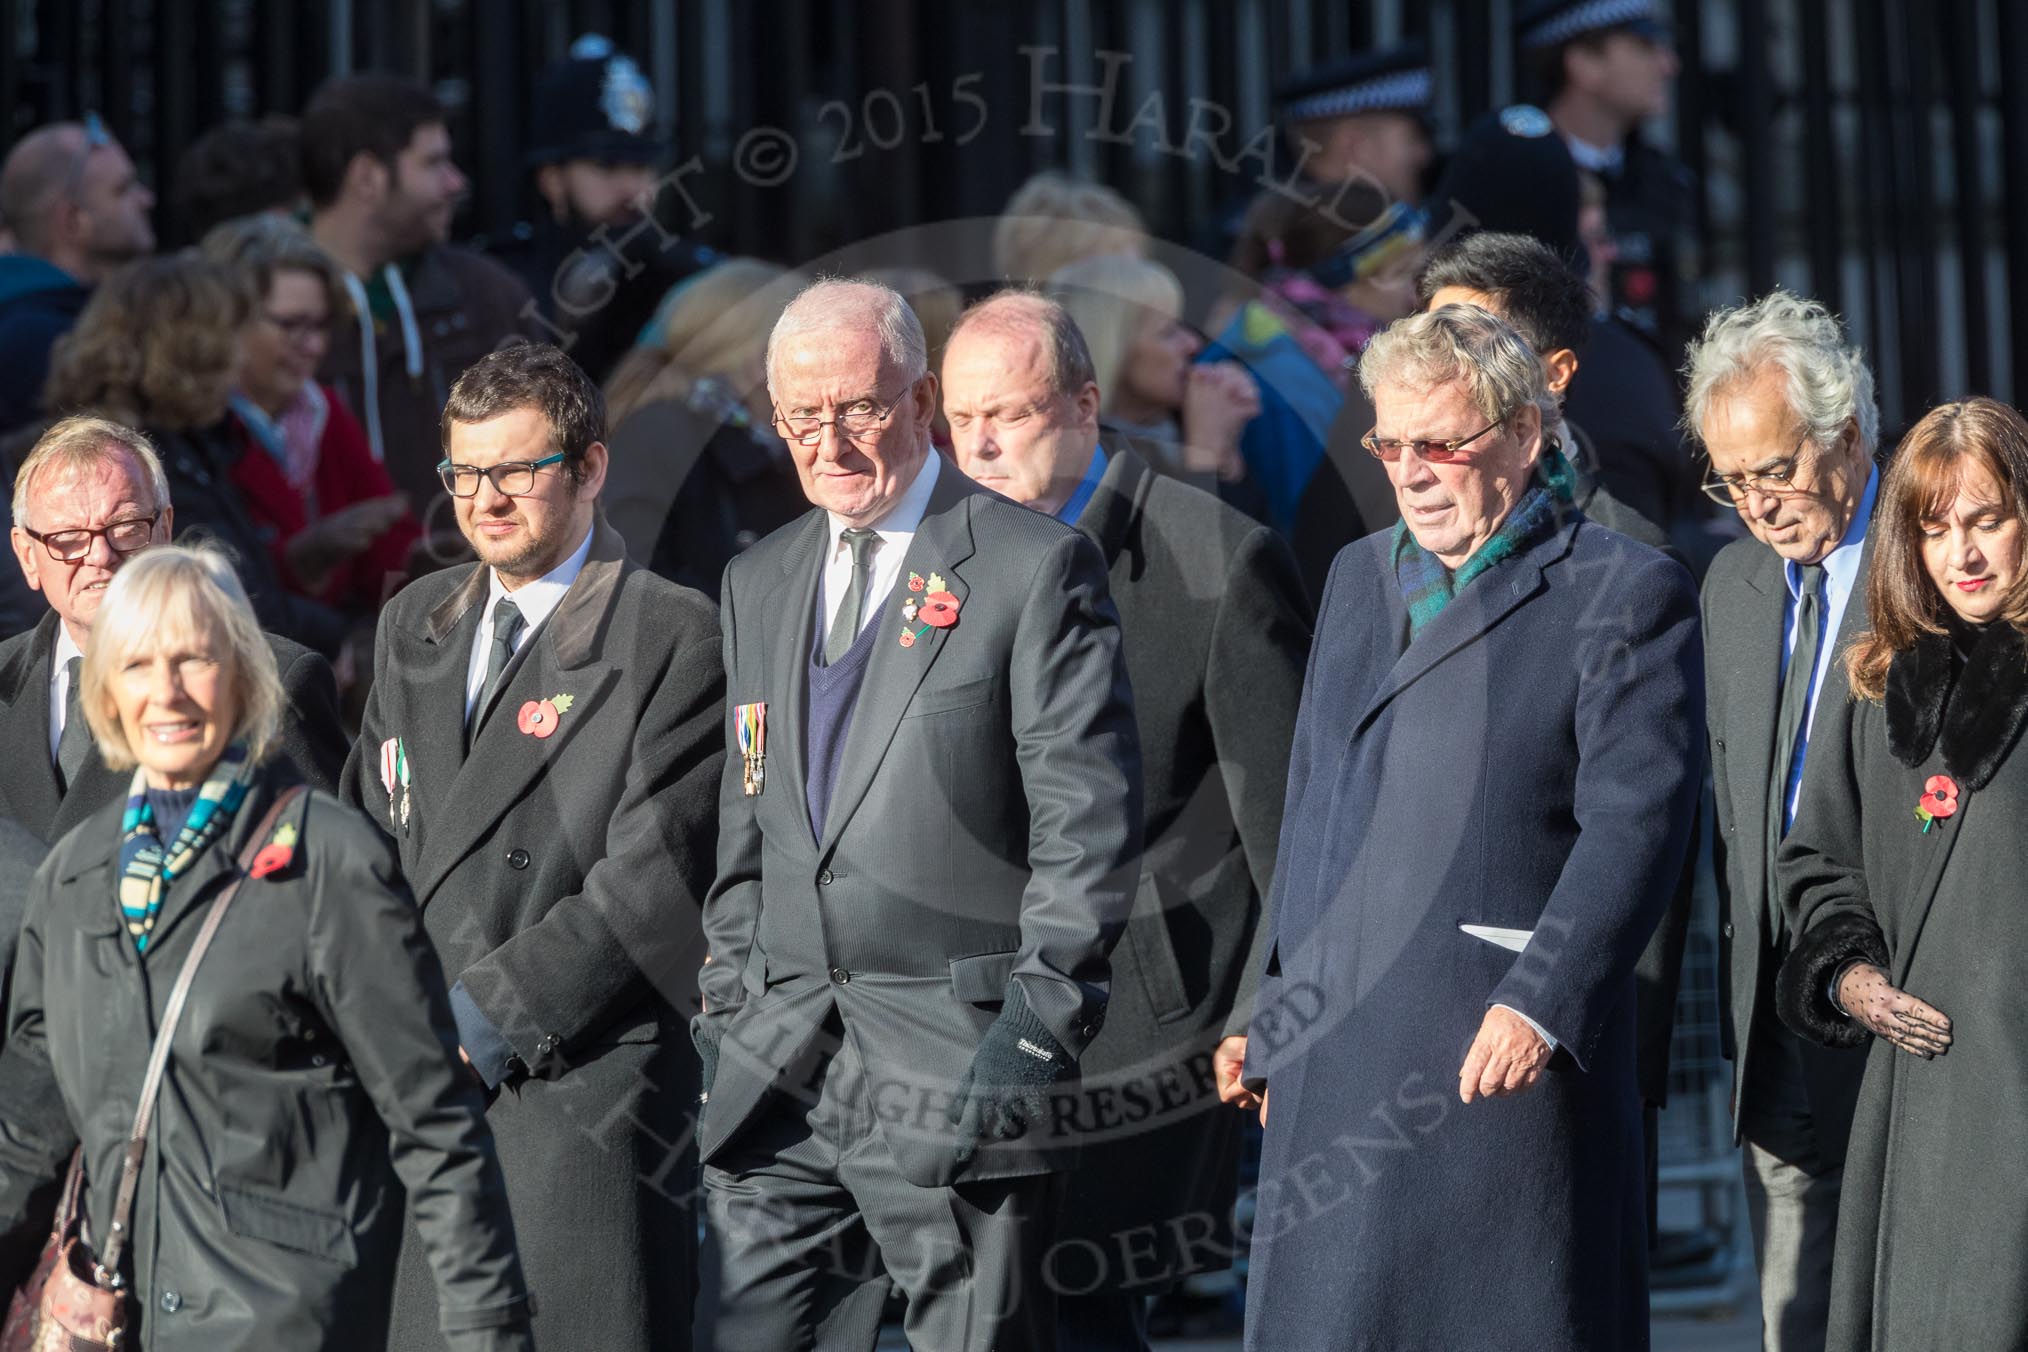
[59,684]
[535,600]
[895,530]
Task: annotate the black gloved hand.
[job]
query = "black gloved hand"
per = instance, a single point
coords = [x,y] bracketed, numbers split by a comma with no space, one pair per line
[1006,1088]
[706,1032]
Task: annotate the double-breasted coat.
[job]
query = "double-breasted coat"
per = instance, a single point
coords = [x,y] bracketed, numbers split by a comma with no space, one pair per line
[560,876]
[1933,1219]
[313,1074]
[1215,629]
[1528,763]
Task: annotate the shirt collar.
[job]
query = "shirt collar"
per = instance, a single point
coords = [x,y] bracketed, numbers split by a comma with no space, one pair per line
[1595,159]
[907,513]
[66,648]
[1841,565]
[1081,497]
[536,600]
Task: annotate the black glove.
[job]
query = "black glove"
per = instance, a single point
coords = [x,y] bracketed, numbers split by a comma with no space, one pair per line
[706,1032]
[1006,1088]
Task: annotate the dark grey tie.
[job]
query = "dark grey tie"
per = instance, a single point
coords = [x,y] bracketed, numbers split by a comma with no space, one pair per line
[845,627]
[75,741]
[1790,719]
[507,626]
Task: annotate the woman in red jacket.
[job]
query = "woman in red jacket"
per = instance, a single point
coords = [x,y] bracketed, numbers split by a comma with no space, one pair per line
[339,531]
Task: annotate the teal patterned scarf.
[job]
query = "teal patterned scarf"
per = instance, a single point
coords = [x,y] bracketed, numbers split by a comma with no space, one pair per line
[146,868]
[1427,586]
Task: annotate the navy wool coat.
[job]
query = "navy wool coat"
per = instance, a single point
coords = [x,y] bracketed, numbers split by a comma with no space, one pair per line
[1530,762]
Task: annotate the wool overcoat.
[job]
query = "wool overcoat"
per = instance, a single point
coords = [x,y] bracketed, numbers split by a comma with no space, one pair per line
[1528,763]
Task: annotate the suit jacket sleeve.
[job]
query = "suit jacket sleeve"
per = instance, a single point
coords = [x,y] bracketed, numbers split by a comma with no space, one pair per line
[1259,646]
[1080,758]
[1720,805]
[624,934]
[36,1136]
[312,734]
[732,907]
[1639,725]
[358,781]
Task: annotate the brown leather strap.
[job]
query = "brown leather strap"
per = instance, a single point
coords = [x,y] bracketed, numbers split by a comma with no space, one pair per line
[107,1269]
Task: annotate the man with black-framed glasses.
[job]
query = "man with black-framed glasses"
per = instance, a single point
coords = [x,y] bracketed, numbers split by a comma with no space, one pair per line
[89,496]
[69,193]
[1783,403]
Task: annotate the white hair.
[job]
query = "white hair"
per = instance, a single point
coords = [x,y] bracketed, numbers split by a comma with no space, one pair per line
[1500,371]
[843,303]
[1829,383]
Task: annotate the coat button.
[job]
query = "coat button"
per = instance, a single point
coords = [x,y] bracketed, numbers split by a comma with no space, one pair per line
[171,1302]
[517,858]
[824,878]
[1727,929]
[840,977]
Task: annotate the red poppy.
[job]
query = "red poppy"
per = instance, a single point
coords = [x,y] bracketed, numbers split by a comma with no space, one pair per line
[538,718]
[1940,796]
[939,610]
[915,582]
[273,858]
[908,638]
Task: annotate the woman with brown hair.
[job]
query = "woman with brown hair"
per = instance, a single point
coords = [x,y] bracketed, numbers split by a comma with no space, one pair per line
[1904,878]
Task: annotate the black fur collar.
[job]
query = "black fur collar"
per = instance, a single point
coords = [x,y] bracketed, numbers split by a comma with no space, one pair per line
[1974,708]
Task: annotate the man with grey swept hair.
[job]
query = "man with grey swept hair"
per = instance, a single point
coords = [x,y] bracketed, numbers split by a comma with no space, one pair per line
[1489,800]
[1783,402]
[928,830]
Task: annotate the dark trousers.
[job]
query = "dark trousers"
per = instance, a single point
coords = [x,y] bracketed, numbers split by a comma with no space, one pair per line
[1104,1321]
[812,1221]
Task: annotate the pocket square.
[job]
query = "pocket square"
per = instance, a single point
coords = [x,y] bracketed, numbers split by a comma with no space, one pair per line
[1513,940]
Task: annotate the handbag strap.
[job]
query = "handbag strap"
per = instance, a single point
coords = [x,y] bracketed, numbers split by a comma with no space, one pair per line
[107,1269]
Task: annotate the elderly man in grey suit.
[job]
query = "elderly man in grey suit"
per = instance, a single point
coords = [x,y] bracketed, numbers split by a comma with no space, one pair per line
[88,496]
[928,827]
[542,742]
[1784,406]
[1216,628]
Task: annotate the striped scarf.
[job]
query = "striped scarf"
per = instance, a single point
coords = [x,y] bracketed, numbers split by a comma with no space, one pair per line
[146,869]
[1427,586]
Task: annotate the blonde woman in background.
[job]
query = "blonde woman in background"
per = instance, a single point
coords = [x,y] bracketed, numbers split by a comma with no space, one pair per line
[1186,417]
[1056,219]
[697,472]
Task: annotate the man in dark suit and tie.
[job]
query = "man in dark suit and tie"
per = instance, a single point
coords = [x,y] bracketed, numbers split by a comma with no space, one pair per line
[928,831]
[1784,406]
[89,495]
[543,743]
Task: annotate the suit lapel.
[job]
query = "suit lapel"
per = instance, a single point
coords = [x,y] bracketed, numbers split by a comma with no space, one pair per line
[1483,603]
[941,545]
[1121,497]
[790,605]
[32,791]
[562,657]
[1930,874]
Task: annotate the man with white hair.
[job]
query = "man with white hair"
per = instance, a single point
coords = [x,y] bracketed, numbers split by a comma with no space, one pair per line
[928,830]
[1783,403]
[1495,767]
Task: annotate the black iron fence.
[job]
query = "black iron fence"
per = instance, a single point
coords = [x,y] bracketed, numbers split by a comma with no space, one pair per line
[1871,152]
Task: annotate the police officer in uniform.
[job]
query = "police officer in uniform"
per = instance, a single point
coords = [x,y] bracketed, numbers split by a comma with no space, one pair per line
[608,246]
[1605,67]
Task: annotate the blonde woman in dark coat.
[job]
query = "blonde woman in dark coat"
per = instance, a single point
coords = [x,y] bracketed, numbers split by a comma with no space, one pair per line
[314,1073]
[1903,876]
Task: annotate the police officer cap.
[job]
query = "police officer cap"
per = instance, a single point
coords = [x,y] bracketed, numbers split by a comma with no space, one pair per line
[594,105]
[1551,23]
[1395,79]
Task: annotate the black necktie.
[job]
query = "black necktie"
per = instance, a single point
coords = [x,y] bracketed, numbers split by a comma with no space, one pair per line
[845,626]
[1792,716]
[76,738]
[507,627]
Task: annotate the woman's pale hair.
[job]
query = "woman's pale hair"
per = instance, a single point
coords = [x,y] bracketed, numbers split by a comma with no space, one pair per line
[163,599]
[1055,219]
[1110,299]
[75,444]
[712,325]
[1461,343]
[936,302]
[156,346]
[842,303]
[1828,382]
[258,248]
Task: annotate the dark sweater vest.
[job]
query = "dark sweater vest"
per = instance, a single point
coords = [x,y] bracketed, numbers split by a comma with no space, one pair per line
[834,694]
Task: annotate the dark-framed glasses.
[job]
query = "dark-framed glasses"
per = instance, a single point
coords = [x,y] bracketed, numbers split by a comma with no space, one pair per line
[1425,448]
[125,536]
[1776,481]
[860,419]
[510,478]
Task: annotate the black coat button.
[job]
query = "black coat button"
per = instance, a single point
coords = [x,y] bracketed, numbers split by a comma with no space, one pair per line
[517,858]
[824,878]
[840,977]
